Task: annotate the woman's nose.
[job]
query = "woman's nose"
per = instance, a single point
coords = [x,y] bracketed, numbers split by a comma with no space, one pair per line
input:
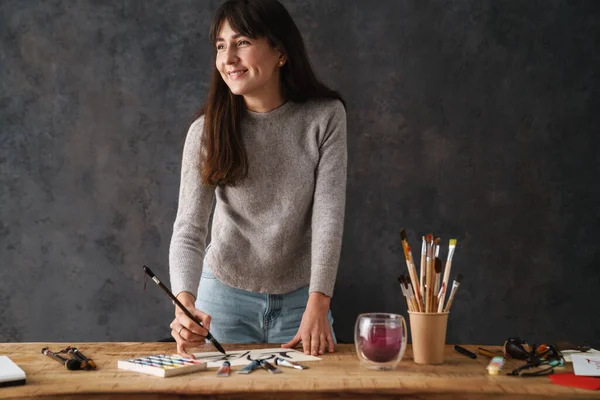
[231,56]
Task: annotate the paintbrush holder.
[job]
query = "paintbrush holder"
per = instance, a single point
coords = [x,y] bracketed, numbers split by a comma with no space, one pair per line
[428,334]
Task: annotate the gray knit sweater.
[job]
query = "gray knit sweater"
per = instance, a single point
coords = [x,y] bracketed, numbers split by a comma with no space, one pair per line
[281,227]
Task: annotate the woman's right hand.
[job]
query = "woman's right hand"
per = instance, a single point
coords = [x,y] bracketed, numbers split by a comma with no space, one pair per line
[184,330]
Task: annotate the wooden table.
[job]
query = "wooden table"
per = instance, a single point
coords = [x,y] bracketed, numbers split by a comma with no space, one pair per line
[337,375]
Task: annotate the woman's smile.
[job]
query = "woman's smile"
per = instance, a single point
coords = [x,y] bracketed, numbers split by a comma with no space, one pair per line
[237,74]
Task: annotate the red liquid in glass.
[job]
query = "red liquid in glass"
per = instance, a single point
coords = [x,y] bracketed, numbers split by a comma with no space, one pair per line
[383,343]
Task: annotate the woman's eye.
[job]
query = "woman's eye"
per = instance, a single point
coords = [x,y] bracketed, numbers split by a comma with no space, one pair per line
[243,42]
[220,47]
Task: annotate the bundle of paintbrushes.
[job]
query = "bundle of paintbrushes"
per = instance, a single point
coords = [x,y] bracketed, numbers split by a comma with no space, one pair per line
[426,291]
[76,360]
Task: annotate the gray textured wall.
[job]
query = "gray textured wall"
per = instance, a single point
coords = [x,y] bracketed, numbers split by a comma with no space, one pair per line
[469,119]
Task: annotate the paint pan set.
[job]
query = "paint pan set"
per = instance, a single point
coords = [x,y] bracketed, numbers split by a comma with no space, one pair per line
[163,365]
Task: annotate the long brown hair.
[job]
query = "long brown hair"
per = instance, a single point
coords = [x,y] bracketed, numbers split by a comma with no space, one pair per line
[224,160]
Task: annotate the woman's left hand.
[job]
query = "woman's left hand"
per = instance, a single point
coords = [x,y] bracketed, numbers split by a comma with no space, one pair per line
[314,331]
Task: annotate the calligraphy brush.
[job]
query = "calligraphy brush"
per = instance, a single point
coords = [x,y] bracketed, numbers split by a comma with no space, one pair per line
[412,270]
[401,282]
[429,273]
[411,295]
[455,286]
[423,268]
[438,272]
[405,292]
[434,257]
[451,249]
[185,310]
[436,286]
[440,298]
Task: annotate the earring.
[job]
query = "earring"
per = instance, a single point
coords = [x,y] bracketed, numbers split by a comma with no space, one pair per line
[280,63]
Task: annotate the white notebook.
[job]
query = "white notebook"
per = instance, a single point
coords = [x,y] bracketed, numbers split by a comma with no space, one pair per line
[10,373]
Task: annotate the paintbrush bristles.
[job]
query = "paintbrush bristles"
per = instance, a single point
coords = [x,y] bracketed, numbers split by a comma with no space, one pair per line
[403,234]
[429,274]
[455,286]
[441,297]
[411,294]
[405,292]
[438,266]
[446,279]
[412,271]
[425,290]
[423,267]
[436,286]
[404,242]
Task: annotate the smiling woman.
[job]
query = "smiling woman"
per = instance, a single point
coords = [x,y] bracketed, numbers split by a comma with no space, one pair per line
[270,146]
[250,67]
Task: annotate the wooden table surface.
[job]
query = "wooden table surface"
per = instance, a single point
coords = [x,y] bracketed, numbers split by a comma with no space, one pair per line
[338,375]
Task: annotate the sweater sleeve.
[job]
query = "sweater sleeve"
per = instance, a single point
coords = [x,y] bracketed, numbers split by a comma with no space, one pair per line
[186,251]
[329,203]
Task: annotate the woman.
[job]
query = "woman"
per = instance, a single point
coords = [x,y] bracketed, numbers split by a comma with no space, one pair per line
[270,147]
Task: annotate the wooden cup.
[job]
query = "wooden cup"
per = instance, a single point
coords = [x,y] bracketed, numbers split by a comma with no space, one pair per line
[428,333]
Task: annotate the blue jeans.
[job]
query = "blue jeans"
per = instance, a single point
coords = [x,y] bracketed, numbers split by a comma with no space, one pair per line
[239,316]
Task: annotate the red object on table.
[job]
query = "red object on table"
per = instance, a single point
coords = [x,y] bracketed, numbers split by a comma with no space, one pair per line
[382,344]
[570,379]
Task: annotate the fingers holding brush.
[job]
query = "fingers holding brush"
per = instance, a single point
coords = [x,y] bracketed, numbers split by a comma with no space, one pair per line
[194,320]
[185,339]
[187,333]
[187,329]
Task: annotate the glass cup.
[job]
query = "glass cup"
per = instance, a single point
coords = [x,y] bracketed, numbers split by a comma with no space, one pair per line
[380,340]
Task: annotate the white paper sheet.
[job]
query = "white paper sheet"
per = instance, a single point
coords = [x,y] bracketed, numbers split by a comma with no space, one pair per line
[243,357]
[568,353]
[586,365]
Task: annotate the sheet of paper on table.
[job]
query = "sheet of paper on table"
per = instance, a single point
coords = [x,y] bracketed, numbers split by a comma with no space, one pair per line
[586,365]
[568,353]
[243,357]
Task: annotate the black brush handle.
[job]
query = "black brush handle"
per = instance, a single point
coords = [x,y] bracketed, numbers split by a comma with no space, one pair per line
[210,337]
[464,351]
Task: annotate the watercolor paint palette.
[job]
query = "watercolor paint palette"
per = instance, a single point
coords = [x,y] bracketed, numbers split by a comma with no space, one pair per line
[163,365]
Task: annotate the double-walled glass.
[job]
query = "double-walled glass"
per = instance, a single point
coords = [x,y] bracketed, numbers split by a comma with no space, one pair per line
[380,340]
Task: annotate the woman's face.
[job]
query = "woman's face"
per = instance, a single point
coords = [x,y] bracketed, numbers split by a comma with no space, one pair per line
[250,67]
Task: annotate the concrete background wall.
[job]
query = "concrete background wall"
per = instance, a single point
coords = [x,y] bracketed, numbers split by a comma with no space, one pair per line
[469,119]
